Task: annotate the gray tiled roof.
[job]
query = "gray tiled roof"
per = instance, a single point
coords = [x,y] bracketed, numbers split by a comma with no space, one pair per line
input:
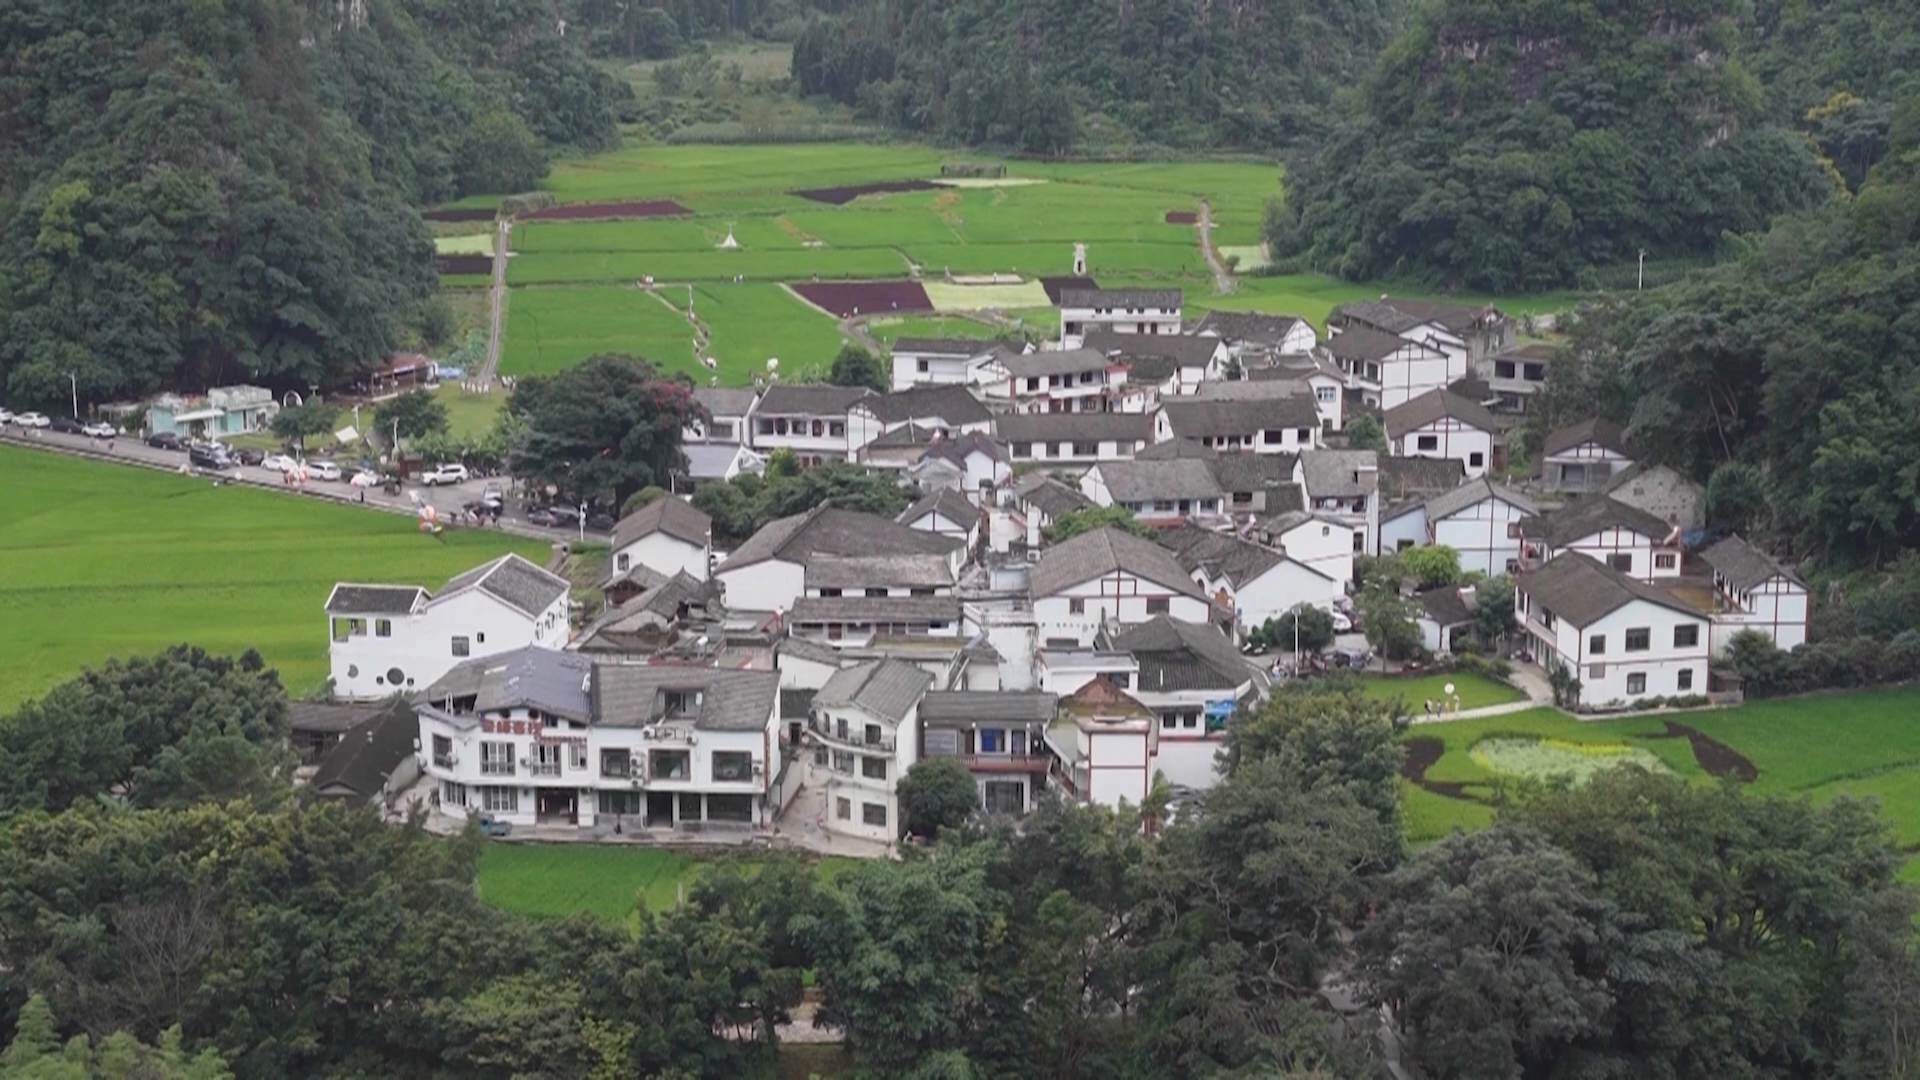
[1253,327]
[511,579]
[326,716]
[1361,343]
[374,599]
[818,652]
[1105,551]
[827,530]
[358,766]
[809,399]
[536,677]
[906,436]
[795,704]
[1397,316]
[1271,389]
[969,706]
[1589,515]
[1194,418]
[726,401]
[1054,362]
[948,503]
[1404,476]
[1254,472]
[1120,298]
[1446,606]
[960,447]
[1601,432]
[1177,655]
[1744,565]
[1074,427]
[954,406]
[1582,591]
[879,571]
[1145,481]
[667,514]
[1448,503]
[1220,554]
[634,695]
[888,688]
[1177,449]
[927,346]
[1433,405]
[874,609]
[1183,349]
[1340,474]
[1050,496]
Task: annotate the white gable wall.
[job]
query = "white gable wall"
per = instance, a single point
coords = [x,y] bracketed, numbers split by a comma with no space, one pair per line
[763,586]
[663,554]
[1449,439]
[1486,535]
[1119,595]
[1638,550]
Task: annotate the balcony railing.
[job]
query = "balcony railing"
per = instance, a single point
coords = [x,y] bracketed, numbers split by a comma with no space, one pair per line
[850,738]
[1001,763]
[496,768]
[544,769]
[443,761]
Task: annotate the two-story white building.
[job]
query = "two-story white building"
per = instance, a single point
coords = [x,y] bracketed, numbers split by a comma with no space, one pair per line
[1624,639]
[1481,521]
[1057,381]
[947,512]
[1517,375]
[1000,737]
[1320,542]
[943,411]
[1631,541]
[1345,485]
[667,536]
[1160,365]
[1038,501]
[807,419]
[1255,338]
[1105,745]
[1310,377]
[1281,425]
[974,463]
[1583,456]
[1465,332]
[1254,581]
[1387,370]
[1755,593]
[1106,575]
[1440,424]
[1073,440]
[1193,679]
[729,410]
[938,361]
[1120,311]
[864,725]
[544,737]
[395,639]
[768,572]
[1156,492]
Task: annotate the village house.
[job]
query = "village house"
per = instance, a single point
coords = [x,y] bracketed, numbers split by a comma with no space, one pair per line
[808,420]
[1516,375]
[999,737]
[1386,370]
[1631,541]
[1284,425]
[1438,424]
[1057,381]
[1300,378]
[729,411]
[646,614]
[1155,492]
[1481,521]
[1464,332]
[1445,616]
[1162,366]
[1254,338]
[667,536]
[1039,500]
[1105,745]
[938,361]
[1754,593]
[556,738]
[1254,581]
[1320,542]
[974,464]
[1406,483]
[864,725]
[946,512]
[898,450]
[1583,456]
[768,572]
[1107,575]
[1624,639]
[1073,439]
[943,411]
[392,639]
[857,620]
[225,410]
[1660,491]
[1345,485]
[1193,679]
[1256,484]
[374,763]
[1120,311]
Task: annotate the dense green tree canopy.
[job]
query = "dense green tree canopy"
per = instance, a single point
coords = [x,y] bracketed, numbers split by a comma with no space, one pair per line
[602,429]
[739,507]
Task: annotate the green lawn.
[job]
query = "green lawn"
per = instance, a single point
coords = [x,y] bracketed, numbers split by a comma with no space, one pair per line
[605,880]
[894,328]
[1474,691]
[553,328]
[105,560]
[470,416]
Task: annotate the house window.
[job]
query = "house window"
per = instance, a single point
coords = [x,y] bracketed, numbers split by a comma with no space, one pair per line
[546,759]
[576,757]
[452,794]
[496,759]
[1686,637]
[616,764]
[874,814]
[1359,541]
[1076,606]
[732,765]
[621,562]
[1303,435]
[1637,683]
[1622,563]
[1503,369]
[1686,679]
[1086,449]
[873,735]
[442,751]
[1665,561]
[993,741]
[1597,645]
[1273,436]
[682,702]
[462,646]
[924,366]
[1596,671]
[1325,394]
[837,429]
[1158,605]
[842,761]
[1513,530]
[1534,372]
[1428,442]
[620,802]
[383,628]
[873,768]
[1476,460]
[669,765]
[1639,639]
[500,800]
[1513,566]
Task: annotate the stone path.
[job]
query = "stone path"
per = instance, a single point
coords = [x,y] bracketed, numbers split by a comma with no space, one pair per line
[1222,281]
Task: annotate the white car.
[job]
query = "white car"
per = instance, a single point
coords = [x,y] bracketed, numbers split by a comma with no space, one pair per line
[99,429]
[32,419]
[323,470]
[444,474]
[6,416]
[1342,623]
[280,463]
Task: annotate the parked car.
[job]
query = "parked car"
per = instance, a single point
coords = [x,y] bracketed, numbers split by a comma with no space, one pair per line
[601,521]
[66,425]
[6,416]
[323,470]
[492,495]
[278,463]
[204,456]
[247,455]
[450,473]
[164,440]
[1342,623]
[564,513]
[540,516]
[100,429]
[32,420]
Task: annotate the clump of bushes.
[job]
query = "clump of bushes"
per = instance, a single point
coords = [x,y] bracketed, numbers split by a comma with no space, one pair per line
[1766,670]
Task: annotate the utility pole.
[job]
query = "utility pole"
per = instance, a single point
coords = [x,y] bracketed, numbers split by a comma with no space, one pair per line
[1643,270]
[75,384]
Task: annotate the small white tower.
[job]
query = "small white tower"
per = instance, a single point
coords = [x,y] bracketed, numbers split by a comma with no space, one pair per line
[1079,260]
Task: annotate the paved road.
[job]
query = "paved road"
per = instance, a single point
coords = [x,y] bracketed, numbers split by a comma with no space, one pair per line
[448,500]
[1222,281]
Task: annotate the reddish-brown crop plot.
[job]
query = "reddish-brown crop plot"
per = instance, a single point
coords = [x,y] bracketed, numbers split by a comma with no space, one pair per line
[849,298]
[459,213]
[841,196]
[1057,285]
[463,264]
[589,211]
[1182,217]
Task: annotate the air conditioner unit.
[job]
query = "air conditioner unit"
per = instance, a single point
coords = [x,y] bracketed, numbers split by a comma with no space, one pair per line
[635,782]
[691,740]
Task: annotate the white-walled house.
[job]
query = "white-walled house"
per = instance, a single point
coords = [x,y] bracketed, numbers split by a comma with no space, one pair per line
[946,512]
[1107,575]
[1193,679]
[729,410]
[1073,439]
[1000,738]
[394,639]
[938,361]
[1480,520]
[1163,365]
[1274,425]
[1255,582]
[1254,337]
[945,411]
[1631,541]
[1156,492]
[1345,485]
[546,737]
[1120,311]
[1583,456]
[1105,745]
[1465,332]
[1320,542]
[1755,593]
[1039,500]
[974,463]
[809,420]
[1625,640]
[1298,377]
[1056,381]
[668,536]
[1387,370]
[768,572]
[1441,424]
[865,728]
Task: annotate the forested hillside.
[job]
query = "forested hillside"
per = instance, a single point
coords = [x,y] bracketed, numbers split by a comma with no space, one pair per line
[195,193]
[1503,146]
[1040,75]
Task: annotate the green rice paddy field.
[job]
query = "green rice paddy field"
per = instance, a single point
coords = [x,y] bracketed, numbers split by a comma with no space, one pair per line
[576,283]
[104,560]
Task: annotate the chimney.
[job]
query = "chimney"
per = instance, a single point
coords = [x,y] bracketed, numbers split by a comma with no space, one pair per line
[1469,595]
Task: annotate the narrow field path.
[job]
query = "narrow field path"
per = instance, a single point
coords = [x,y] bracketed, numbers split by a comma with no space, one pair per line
[1222,281]
[496,304]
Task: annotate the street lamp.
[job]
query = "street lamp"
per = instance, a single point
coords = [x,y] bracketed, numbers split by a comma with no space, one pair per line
[75,384]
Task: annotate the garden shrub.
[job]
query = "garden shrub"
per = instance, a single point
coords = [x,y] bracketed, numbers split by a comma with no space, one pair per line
[1766,670]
